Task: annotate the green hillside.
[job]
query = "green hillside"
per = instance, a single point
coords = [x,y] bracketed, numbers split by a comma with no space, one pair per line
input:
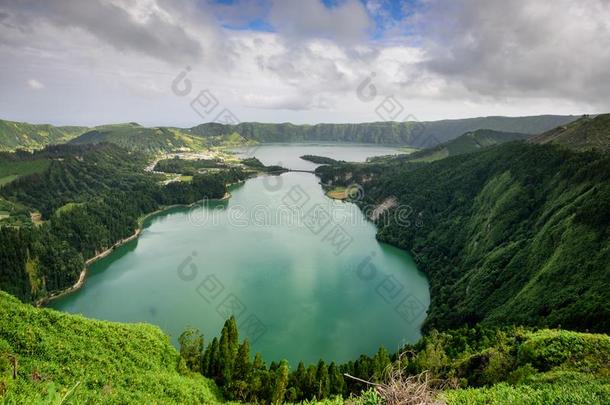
[416,134]
[48,356]
[467,143]
[134,137]
[518,233]
[21,135]
[587,133]
[86,361]
[12,166]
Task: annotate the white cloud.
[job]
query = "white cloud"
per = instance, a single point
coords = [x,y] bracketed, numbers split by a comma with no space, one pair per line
[486,58]
[35,84]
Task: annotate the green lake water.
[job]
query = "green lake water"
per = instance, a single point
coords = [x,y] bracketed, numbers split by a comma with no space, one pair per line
[303,274]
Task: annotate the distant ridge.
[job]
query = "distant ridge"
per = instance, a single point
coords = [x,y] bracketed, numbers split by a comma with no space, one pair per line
[467,143]
[15,135]
[410,133]
[586,133]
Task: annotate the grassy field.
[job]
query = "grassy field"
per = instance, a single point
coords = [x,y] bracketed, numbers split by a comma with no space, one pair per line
[11,170]
[90,361]
[337,193]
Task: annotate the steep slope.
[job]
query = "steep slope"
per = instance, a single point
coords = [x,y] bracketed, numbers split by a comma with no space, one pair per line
[54,354]
[518,233]
[416,134]
[15,135]
[587,133]
[467,143]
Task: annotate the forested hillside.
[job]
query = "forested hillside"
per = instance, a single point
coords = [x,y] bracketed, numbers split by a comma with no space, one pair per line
[516,234]
[135,137]
[416,134]
[587,133]
[15,135]
[90,197]
[467,143]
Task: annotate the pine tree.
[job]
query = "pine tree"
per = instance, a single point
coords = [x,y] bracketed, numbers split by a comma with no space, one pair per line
[299,380]
[214,364]
[242,362]
[228,347]
[322,380]
[336,381]
[280,384]
[381,361]
[191,348]
[257,380]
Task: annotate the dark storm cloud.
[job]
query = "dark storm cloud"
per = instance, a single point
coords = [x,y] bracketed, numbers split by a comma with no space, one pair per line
[152,34]
[519,48]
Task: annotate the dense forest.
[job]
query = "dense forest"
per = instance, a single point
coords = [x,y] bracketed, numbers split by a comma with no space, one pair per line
[90,197]
[514,234]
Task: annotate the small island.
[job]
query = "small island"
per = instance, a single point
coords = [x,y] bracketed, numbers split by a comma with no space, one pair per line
[321,160]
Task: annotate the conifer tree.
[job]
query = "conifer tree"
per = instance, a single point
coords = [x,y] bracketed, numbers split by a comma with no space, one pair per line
[322,381]
[280,384]
[191,348]
[336,382]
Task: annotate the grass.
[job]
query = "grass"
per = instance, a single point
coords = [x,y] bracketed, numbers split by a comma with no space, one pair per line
[408,150]
[11,170]
[102,362]
[67,207]
[7,179]
[337,193]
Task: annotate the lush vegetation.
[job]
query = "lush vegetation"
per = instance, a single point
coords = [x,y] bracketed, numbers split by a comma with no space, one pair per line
[587,133]
[541,365]
[55,355]
[134,137]
[21,135]
[516,234]
[13,166]
[48,356]
[467,143]
[188,167]
[417,134]
[91,197]
[321,160]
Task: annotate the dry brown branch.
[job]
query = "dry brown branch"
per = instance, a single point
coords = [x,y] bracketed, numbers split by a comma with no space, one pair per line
[403,389]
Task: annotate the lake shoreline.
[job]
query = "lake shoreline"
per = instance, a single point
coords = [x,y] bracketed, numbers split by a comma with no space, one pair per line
[82,278]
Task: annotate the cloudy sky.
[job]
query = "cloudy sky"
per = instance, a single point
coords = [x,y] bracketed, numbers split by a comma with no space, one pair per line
[168,62]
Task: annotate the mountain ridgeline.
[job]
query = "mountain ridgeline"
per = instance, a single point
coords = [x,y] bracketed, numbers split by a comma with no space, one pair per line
[416,134]
[21,135]
[15,135]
